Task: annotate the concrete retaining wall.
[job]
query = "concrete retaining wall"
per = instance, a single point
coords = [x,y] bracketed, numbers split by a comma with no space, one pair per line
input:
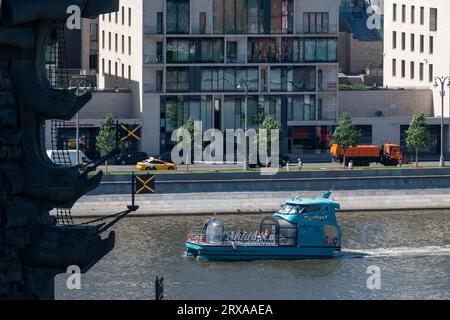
[251,202]
[383,179]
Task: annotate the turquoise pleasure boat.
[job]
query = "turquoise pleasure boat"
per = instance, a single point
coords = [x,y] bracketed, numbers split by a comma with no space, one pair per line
[301,229]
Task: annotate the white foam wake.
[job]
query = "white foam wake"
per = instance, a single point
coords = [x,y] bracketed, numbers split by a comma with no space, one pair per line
[399,251]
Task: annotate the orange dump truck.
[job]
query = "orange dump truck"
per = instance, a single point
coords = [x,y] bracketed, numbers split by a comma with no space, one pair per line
[387,154]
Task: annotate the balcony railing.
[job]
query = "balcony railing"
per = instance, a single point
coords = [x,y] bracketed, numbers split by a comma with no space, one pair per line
[151,30]
[328,87]
[153,87]
[153,60]
[201,29]
[240,58]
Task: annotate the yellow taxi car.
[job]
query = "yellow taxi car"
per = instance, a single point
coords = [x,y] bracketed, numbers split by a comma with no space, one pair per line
[155,164]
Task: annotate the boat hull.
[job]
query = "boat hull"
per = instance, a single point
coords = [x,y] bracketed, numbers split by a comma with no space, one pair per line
[225,253]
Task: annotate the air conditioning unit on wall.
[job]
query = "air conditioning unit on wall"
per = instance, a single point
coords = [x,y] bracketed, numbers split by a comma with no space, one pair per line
[379,113]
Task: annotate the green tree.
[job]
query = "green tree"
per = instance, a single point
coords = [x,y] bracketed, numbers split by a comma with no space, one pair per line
[346,135]
[417,134]
[269,124]
[106,139]
[189,126]
[172,116]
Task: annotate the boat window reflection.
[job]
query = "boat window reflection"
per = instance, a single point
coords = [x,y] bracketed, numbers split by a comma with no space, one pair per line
[291,209]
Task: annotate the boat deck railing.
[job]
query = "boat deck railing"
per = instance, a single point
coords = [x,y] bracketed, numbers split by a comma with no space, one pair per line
[234,239]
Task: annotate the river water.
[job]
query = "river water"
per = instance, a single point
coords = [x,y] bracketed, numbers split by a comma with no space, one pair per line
[411,250]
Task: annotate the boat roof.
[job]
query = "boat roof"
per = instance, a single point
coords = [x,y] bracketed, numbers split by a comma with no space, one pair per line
[314,201]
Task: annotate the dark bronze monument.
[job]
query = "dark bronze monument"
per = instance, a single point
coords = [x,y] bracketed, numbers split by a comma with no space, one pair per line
[33,247]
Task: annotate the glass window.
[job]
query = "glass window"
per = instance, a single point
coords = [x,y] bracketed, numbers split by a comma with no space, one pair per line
[241,16]
[306,24]
[206,112]
[394,12]
[93,32]
[310,50]
[430,73]
[177,13]
[171,16]
[275,23]
[229,79]
[253,16]
[433,19]
[241,75]
[298,108]
[183,80]
[304,79]
[171,51]
[206,75]
[264,50]
[230,16]
[218,51]
[325,22]
[183,16]
[289,209]
[287,49]
[218,16]
[319,23]
[253,75]
[316,22]
[287,16]
[422,15]
[195,108]
[231,52]
[183,51]
[229,113]
[171,80]
[177,79]
[321,50]
[332,50]
[206,51]
[275,79]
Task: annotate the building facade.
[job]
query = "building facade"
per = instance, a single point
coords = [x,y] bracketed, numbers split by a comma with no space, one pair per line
[187,58]
[417,46]
[383,116]
[360,47]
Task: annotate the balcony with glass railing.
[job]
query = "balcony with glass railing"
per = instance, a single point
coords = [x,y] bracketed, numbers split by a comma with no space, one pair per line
[154,30]
[237,58]
[153,87]
[149,60]
[327,87]
[198,29]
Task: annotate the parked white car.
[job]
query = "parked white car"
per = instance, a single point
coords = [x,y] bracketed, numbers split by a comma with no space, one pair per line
[58,156]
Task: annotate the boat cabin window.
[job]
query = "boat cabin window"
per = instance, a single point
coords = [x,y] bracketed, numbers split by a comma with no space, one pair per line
[314,208]
[290,208]
[213,230]
[279,230]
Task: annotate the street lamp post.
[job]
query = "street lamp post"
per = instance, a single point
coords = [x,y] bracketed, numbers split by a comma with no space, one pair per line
[80,88]
[441,81]
[246,84]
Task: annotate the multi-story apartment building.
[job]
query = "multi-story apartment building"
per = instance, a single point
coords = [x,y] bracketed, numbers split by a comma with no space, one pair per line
[187,58]
[81,50]
[417,46]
